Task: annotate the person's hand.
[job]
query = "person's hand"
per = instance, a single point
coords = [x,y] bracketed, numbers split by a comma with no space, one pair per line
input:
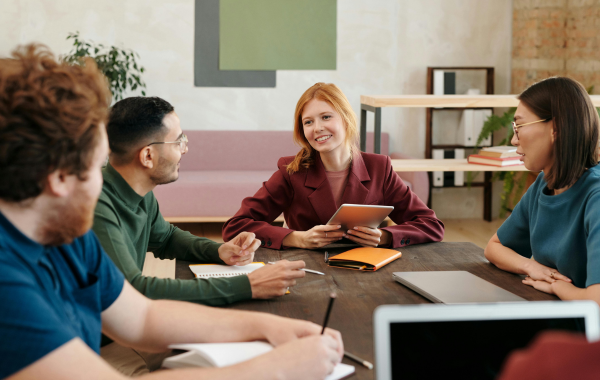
[273,280]
[312,357]
[369,237]
[539,272]
[240,250]
[279,330]
[540,285]
[316,237]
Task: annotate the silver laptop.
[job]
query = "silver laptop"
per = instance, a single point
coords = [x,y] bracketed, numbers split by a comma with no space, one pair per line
[452,287]
[469,341]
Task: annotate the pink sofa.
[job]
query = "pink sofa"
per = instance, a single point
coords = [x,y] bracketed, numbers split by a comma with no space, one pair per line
[222,168]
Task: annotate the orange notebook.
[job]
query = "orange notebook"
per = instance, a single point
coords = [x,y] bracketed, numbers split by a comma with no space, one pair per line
[365,258]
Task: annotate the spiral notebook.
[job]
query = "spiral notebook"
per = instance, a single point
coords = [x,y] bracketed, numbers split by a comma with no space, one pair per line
[216,270]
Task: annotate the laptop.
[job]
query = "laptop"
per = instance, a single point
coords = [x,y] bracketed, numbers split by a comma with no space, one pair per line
[452,287]
[469,341]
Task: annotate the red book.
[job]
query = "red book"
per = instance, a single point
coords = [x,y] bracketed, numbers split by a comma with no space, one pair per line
[494,161]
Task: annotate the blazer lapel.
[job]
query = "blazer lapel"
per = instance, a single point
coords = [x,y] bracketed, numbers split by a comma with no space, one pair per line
[322,198]
[356,192]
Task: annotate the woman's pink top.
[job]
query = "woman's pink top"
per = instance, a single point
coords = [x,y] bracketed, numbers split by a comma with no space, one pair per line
[338,182]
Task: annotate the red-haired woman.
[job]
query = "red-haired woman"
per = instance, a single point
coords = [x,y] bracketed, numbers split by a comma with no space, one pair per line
[327,172]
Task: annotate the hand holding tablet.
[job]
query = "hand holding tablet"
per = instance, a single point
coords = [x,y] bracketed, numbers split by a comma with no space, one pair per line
[355,222]
[317,237]
[360,223]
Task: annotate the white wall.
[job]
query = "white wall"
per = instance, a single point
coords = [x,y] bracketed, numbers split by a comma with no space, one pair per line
[384,47]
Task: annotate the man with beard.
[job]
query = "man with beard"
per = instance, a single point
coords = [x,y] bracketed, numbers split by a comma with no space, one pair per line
[58,289]
[146,145]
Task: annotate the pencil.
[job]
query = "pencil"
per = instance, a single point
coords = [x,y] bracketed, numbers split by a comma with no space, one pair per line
[304,269]
[313,271]
[350,356]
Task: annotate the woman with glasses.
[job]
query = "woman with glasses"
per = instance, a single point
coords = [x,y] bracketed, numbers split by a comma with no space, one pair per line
[553,233]
[327,172]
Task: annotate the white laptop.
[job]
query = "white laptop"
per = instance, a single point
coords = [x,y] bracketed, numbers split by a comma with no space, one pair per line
[469,341]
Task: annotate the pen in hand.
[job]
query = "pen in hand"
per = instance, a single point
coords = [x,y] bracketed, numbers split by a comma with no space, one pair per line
[332,295]
[350,356]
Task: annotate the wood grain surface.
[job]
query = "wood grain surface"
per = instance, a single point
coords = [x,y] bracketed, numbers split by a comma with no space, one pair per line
[359,293]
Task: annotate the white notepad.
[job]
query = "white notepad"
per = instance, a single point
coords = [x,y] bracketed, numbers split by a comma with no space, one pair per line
[226,354]
[216,270]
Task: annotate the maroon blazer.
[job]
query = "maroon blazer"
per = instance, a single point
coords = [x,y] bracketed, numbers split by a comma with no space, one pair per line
[306,200]
[555,355]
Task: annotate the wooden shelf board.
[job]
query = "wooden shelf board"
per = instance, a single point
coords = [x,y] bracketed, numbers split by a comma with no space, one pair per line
[448,165]
[453,101]
[452,146]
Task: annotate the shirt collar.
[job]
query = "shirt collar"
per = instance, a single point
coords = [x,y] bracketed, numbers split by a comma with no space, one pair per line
[22,245]
[121,187]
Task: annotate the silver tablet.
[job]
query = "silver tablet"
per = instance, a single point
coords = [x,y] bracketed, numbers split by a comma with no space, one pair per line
[350,216]
[469,341]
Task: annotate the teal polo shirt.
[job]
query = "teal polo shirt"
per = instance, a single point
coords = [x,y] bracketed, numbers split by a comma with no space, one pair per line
[51,295]
[560,231]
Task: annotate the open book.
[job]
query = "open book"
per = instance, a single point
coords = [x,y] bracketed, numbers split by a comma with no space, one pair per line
[216,270]
[226,354]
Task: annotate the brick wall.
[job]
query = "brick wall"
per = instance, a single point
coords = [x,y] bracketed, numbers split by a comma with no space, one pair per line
[555,37]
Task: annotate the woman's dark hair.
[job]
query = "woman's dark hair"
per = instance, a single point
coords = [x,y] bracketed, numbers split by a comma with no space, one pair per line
[133,123]
[576,122]
[51,115]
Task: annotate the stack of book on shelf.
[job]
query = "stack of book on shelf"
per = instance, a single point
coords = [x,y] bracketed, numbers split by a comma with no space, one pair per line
[497,156]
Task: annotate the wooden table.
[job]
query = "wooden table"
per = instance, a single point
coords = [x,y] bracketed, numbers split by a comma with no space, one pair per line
[359,293]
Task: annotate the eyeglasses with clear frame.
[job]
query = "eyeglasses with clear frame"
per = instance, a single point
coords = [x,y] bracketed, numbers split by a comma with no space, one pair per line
[183,141]
[516,127]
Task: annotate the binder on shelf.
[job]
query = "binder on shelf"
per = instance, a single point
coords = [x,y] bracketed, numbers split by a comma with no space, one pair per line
[471,124]
[438,82]
[459,177]
[479,118]
[448,176]
[449,83]
[438,177]
[465,129]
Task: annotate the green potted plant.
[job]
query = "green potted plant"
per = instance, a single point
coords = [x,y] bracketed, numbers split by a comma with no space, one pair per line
[119,65]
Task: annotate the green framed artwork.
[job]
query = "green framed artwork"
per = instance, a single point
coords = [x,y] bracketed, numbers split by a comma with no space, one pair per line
[277,35]
[206,54]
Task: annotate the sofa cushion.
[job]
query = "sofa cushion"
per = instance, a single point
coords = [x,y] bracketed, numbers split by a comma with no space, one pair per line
[209,192]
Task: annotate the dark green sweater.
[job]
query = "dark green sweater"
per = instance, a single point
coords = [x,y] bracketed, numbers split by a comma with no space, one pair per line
[129,225]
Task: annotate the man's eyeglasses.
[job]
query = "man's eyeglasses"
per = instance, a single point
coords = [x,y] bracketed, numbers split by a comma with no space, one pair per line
[516,127]
[183,141]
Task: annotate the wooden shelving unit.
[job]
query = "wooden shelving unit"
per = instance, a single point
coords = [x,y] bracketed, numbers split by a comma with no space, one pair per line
[374,103]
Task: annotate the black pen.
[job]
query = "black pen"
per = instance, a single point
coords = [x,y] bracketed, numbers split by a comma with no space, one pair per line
[332,295]
[350,356]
